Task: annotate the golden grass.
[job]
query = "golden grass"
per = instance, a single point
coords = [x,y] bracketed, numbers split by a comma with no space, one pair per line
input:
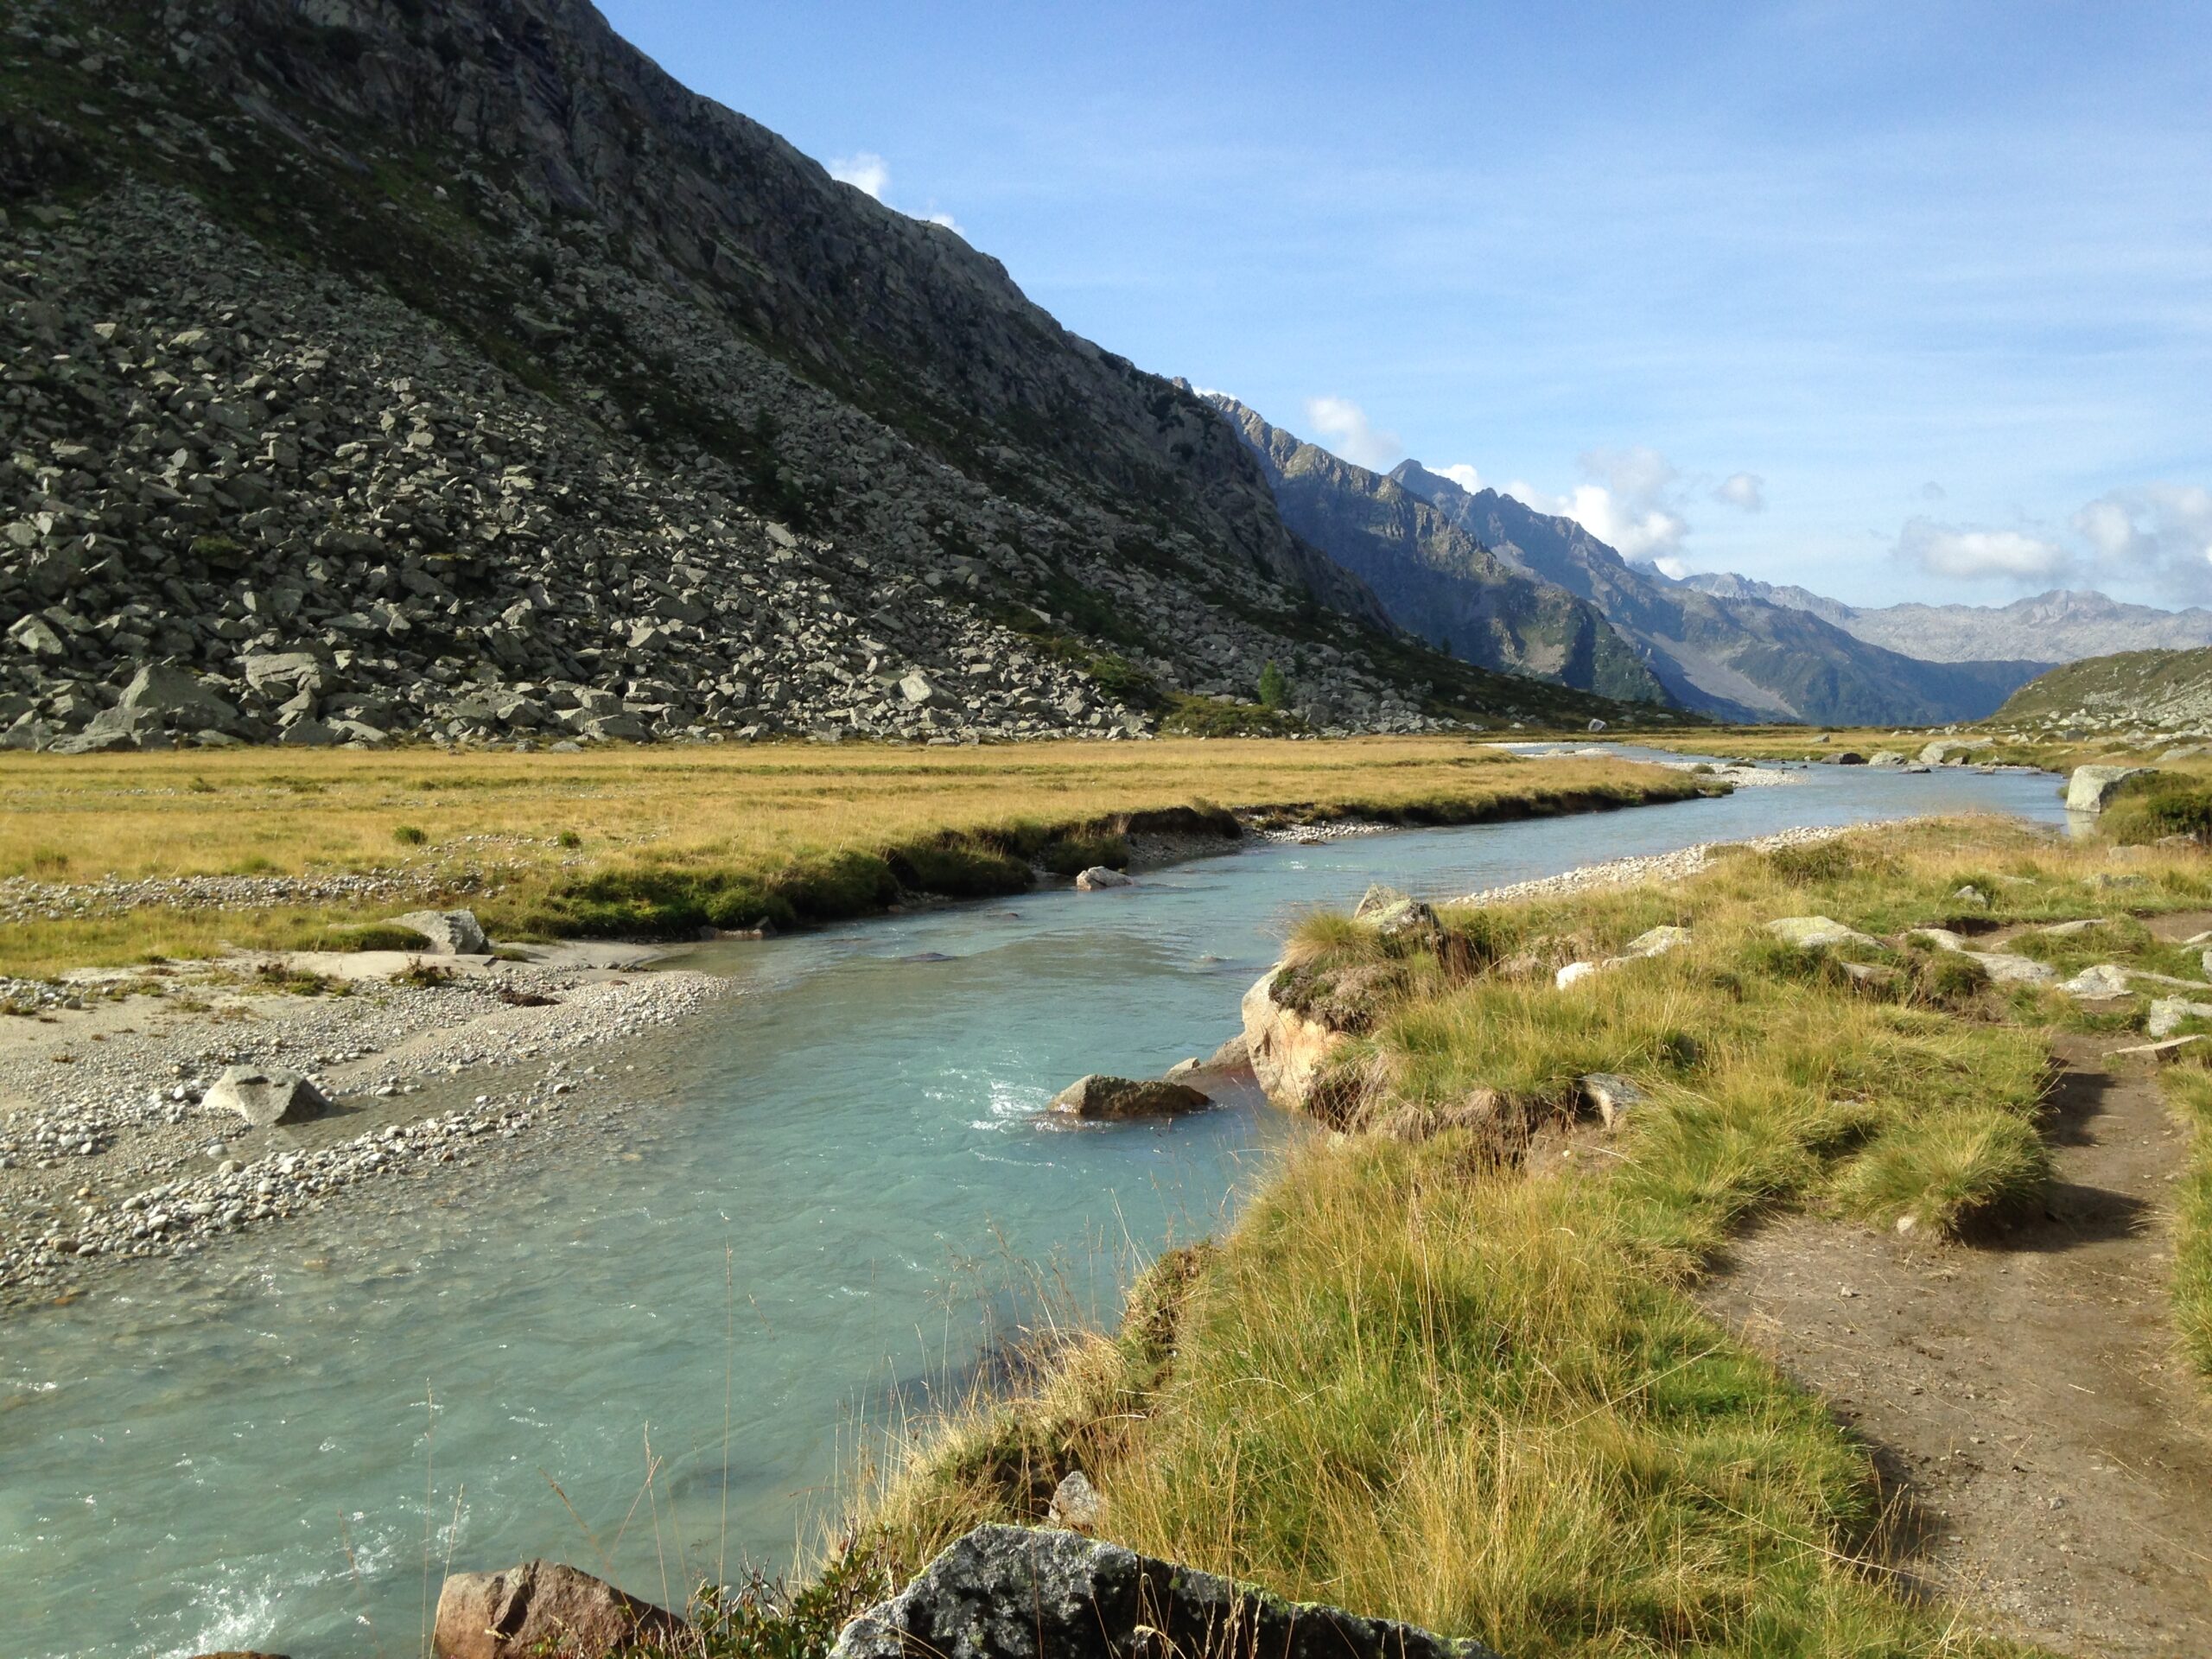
[2189,1090]
[541,825]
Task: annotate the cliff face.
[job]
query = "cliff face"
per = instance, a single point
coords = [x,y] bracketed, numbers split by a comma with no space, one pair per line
[460,358]
[1436,579]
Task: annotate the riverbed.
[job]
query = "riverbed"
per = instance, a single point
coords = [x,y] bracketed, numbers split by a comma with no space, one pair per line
[823,1202]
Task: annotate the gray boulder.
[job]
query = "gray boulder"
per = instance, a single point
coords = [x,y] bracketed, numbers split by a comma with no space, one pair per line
[266,1095]
[1102,1098]
[2168,1013]
[1098,876]
[1816,932]
[1657,941]
[2091,787]
[171,696]
[451,933]
[1009,1592]
[2105,979]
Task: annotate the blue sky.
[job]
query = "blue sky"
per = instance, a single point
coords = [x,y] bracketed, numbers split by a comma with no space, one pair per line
[1907,301]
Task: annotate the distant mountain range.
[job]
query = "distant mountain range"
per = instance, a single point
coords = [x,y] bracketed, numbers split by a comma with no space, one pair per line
[1500,585]
[2059,626]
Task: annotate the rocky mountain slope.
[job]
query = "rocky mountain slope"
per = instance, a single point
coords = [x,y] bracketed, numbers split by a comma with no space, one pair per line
[2143,692]
[2059,626]
[386,367]
[1739,658]
[1435,578]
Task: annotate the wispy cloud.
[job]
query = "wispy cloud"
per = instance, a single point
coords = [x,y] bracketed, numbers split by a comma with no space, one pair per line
[1746,491]
[868,173]
[1344,429]
[1631,503]
[865,170]
[1967,554]
[1462,474]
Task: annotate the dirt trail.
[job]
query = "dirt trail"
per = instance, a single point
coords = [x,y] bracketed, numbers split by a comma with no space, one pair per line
[2023,1394]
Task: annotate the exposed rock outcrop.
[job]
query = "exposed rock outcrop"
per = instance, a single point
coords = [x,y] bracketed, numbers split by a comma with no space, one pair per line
[1007,1592]
[2090,788]
[1287,1050]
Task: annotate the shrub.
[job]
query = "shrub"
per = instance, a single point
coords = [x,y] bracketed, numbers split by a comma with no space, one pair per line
[408,834]
[2161,803]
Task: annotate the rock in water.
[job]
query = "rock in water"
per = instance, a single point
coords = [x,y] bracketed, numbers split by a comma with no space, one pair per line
[1101,1097]
[266,1095]
[451,933]
[542,1607]
[1008,1593]
[1098,876]
[2091,788]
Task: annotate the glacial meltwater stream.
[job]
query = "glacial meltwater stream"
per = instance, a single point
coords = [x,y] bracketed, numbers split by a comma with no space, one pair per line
[831,1196]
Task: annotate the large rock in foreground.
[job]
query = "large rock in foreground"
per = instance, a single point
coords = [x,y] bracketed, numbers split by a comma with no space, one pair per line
[541,1610]
[2091,788]
[1007,1592]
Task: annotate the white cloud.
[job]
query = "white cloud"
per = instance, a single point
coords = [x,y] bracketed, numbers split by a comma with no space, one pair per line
[2161,531]
[948,221]
[1968,554]
[1462,474]
[1674,569]
[1634,509]
[1346,430]
[865,170]
[1745,490]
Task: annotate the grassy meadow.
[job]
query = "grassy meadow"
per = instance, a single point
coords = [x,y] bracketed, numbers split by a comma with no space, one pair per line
[1441,1372]
[658,841]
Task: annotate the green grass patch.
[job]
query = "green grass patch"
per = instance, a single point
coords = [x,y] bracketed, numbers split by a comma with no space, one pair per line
[2189,1091]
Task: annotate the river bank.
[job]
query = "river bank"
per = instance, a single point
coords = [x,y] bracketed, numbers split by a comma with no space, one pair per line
[1504,1289]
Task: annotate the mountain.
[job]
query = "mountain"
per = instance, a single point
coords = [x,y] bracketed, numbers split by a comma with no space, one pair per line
[1435,578]
[380,367]
[2142,691]
[2058,626]
[1739,658]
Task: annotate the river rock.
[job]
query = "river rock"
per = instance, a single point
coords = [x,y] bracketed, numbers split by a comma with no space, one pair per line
[2091,787]
[1011,1593]
[1816,932]
[1235,1055]
[542,1607]
[1097,1096]
[1887,757]
[451,933]
[1288,1051]
[2107,979]
[1098,876]
[266,1095]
